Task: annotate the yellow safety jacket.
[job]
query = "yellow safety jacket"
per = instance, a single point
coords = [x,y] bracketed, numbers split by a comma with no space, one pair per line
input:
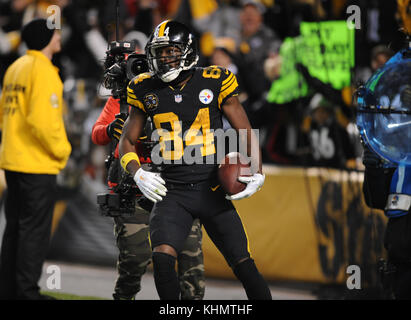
[34,138]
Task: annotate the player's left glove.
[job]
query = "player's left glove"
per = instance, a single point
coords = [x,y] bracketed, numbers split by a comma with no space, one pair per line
[254,183]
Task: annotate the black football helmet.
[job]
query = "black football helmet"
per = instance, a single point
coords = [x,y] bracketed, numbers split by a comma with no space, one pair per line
[171,34]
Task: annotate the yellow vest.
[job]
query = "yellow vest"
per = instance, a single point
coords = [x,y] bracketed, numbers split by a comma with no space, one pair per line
[34,138]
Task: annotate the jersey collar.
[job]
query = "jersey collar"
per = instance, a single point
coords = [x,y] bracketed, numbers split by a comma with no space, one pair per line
[183,76]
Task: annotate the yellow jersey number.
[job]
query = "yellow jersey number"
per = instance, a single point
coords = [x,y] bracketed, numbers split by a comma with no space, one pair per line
[192,137]
[213,72]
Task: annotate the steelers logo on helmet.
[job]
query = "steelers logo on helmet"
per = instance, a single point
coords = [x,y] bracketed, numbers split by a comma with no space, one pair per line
[171,49]
[206,96]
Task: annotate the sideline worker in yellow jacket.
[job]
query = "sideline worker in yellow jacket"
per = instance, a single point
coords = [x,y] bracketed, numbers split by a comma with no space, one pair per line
[34,149]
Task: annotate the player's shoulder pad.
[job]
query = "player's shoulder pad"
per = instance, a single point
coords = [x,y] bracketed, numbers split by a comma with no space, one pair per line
[228,82]
[217,73]
[138,80]
[136,88]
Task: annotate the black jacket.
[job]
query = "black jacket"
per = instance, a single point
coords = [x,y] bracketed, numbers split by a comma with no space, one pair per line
[376,186]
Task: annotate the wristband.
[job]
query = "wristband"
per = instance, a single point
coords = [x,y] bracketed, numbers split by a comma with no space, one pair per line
[124,161]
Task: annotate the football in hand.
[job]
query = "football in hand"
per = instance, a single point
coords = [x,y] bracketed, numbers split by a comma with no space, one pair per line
[231,167]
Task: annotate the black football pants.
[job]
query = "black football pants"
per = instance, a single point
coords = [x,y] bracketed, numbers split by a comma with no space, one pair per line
[170,223]
[29,208]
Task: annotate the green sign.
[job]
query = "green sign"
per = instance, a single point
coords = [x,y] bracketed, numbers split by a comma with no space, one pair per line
[328,51]
[325,48]
[291,84]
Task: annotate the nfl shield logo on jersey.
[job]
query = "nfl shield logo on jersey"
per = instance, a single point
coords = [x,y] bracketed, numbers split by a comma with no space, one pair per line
[178,98]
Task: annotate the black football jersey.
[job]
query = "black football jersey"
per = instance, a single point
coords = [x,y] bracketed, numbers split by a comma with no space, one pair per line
[185,119]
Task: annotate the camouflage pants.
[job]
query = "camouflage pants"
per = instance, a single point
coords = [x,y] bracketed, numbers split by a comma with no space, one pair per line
[132,237]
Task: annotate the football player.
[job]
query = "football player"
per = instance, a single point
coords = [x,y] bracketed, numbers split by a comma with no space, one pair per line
[132,232]
[186,104]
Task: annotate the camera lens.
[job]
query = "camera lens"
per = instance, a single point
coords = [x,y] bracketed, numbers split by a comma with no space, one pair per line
[136,64]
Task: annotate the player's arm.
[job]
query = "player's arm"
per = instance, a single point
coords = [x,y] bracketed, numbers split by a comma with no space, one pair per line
[235,114]
[133,127]
[233,110]
[150,184]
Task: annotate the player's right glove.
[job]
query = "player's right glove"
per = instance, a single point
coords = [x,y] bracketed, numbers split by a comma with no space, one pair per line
[150,184]
[115,128]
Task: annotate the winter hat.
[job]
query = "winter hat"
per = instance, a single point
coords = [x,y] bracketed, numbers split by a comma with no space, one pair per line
[36,34]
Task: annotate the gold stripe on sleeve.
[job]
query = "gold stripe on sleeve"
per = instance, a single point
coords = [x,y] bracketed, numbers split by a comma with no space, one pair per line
[131,94]
[227,91]
[136,103]
[225,86]
[228,79]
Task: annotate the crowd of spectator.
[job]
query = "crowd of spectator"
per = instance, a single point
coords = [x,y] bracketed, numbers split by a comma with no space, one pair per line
[242,35]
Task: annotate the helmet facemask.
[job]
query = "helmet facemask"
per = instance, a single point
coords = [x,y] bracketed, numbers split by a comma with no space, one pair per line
[178,57]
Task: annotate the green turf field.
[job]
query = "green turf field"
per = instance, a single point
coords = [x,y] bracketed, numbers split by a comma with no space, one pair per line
[69,296]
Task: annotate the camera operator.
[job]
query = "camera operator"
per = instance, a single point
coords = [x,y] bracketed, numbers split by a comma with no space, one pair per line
[132,231]
[386,189]
[387,183]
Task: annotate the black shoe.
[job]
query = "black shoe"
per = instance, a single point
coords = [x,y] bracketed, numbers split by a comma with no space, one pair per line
[117,296]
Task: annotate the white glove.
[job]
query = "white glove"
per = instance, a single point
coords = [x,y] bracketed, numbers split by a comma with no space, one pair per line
[150,184]
[254,183]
